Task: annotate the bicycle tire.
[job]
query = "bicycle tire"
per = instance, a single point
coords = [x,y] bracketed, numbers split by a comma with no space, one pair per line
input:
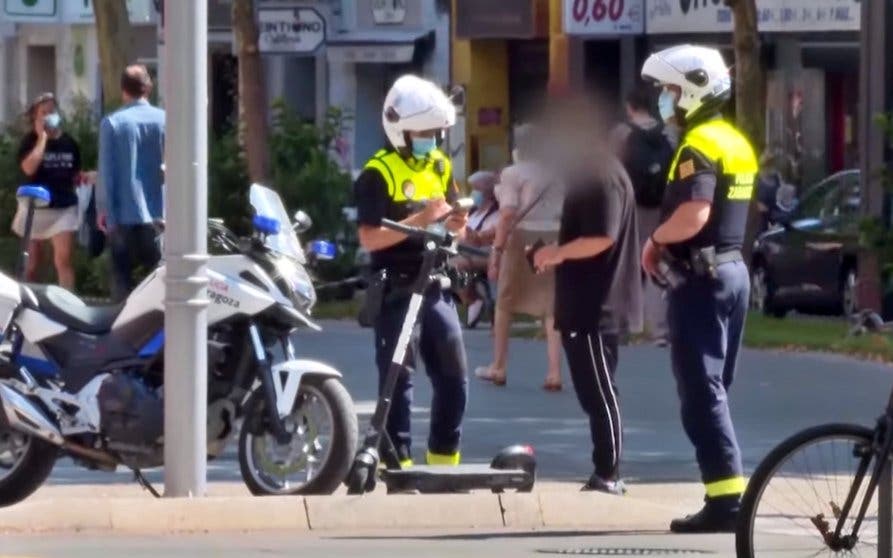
[770,465]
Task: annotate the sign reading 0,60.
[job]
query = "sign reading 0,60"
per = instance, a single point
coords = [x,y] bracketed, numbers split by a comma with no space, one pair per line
[586,11]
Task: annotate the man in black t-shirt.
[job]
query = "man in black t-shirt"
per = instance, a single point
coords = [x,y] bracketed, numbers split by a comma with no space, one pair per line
[598,299]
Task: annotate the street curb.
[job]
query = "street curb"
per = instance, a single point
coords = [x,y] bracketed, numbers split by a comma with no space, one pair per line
[551,510]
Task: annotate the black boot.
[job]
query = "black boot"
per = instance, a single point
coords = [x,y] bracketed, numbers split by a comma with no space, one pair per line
[718,515]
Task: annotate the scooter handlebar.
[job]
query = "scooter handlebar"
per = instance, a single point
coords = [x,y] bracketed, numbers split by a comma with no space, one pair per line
[443,238]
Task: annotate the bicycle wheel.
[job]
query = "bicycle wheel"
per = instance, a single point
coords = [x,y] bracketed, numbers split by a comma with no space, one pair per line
[795,497]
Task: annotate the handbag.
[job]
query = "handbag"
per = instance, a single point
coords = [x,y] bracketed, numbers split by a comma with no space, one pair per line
[91,239]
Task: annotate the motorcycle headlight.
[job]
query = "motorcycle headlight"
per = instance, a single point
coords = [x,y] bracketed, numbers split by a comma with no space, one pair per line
[298,282]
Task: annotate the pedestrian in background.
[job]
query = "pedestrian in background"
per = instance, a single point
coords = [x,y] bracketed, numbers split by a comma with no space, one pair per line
[51,158]
[530,208]
[481,232]
[129,194]
[598,295]
[643,145]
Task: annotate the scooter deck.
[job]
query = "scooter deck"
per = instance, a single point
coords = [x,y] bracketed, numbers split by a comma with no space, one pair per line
[440,479]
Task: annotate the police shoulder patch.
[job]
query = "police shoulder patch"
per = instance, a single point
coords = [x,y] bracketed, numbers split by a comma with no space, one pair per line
[686,169]
[408,189]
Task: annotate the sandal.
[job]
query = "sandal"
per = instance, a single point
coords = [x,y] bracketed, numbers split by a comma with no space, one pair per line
[486,374]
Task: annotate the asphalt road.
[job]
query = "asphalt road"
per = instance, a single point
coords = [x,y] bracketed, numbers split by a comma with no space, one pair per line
[351,545]
[775,395]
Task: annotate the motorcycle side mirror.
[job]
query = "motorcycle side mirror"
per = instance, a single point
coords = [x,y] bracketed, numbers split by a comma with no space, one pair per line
[302,223]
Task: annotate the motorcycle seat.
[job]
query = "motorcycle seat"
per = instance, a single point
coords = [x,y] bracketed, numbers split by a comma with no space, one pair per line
[66,308]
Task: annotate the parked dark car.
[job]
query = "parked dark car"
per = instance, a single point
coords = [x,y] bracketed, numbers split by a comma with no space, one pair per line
[808,261]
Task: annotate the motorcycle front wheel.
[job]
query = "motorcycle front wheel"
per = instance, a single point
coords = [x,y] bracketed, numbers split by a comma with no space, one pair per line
[25,463]
[324,439]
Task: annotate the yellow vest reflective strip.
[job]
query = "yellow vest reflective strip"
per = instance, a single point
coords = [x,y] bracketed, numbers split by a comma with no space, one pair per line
[724,145]
[407,183]
[441,459]
[727,487]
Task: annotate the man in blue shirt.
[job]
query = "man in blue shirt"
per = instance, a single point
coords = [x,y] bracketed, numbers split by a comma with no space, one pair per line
[129,200]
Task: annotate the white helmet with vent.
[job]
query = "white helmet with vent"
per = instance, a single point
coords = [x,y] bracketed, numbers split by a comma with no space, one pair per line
[414,105]
[699,71]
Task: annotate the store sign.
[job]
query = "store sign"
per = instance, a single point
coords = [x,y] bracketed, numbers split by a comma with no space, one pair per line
[81,11]
[30,10]
[388,12]
[604,17]
[496,19]
[290,31]
[70,11]
[774,16]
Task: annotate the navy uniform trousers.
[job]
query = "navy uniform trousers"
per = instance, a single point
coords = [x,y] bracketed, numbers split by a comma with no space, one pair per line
[439,342]
[706,322]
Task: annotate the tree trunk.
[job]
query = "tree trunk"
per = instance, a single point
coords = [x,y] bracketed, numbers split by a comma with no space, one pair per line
[254,129]
[115,46]
[750,92]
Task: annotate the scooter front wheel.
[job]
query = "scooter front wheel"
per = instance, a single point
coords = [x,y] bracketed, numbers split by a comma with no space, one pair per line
[361,478]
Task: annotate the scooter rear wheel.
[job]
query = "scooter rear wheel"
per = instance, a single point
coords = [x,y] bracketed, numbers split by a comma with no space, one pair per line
[360,480]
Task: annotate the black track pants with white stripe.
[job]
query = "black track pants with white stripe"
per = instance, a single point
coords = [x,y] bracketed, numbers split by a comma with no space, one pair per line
[593,361]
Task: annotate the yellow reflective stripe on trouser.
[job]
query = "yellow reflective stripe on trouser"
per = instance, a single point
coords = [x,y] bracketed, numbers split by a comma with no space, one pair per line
[405,463]
[441,459]
[727,487]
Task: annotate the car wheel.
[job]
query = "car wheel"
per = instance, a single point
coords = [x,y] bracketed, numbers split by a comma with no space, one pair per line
[849,304]
[761,293]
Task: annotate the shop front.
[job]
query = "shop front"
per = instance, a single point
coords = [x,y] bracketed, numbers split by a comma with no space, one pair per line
[811,51]
[502,54]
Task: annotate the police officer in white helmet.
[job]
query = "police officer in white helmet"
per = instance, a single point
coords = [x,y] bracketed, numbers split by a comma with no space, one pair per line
[411,181]
[698,244]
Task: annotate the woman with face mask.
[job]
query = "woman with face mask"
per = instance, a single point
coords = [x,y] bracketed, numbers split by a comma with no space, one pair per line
[50,158]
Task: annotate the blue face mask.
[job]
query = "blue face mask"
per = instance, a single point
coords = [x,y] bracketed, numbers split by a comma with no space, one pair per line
[478,198]
[422,147]
[666,104]
[52,121]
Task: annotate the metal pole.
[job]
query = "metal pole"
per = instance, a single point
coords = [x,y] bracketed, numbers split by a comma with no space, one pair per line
[885,517]
[186,156]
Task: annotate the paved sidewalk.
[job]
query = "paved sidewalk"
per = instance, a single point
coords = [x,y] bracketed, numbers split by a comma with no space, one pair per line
[126,509]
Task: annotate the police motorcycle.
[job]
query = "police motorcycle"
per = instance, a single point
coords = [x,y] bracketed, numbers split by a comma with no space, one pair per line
[513,467]
[87,382]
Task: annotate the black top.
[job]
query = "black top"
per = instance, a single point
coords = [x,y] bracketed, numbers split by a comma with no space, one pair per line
[374,204]
[57,171]
[602,293]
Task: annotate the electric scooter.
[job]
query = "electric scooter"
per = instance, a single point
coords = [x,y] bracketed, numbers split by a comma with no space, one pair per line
[513,468]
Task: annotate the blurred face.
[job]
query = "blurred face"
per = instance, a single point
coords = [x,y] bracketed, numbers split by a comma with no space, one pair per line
[423,142]
[43,109]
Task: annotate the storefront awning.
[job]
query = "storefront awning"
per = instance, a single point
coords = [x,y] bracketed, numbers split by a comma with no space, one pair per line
[376,47]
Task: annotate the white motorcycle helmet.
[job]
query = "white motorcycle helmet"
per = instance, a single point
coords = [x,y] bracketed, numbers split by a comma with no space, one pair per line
[414,105]
[699,71]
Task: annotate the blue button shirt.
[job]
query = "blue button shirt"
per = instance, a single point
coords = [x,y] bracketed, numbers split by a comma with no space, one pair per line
[131,152]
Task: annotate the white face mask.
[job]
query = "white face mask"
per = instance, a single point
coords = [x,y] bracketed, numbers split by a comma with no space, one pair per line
[666,104]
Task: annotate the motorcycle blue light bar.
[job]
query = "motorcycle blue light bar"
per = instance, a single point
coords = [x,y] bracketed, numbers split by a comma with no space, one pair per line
[323,249]
[266,225]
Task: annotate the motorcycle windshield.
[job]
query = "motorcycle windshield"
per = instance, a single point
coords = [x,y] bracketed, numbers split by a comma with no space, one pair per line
[266,202]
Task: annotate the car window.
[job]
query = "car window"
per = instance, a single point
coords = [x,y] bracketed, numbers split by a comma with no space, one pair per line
[815,201]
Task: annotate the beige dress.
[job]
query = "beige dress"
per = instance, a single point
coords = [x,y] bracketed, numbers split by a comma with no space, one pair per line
[520,290]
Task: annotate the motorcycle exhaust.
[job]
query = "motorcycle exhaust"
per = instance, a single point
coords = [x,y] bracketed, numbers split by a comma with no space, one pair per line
[22,415]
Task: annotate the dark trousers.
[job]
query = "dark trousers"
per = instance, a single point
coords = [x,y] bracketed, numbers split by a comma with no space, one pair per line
[706,321]
[593,361]
[438,338]
[131,244]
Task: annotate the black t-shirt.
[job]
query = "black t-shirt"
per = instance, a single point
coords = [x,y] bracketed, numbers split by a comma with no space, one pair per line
[374,204]
[696,178]
[602,293]
[57,171]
